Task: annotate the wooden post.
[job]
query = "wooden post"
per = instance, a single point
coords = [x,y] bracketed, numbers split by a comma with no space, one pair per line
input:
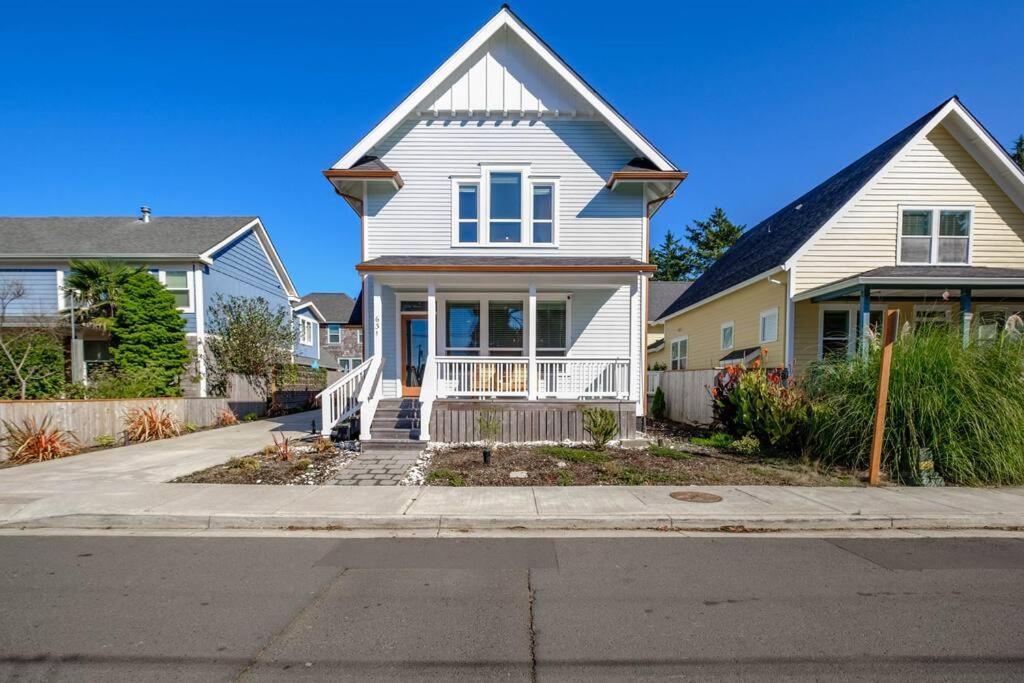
[888,337]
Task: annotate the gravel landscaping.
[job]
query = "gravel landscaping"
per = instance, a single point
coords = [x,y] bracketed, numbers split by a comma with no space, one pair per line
[673,458]
[306,463]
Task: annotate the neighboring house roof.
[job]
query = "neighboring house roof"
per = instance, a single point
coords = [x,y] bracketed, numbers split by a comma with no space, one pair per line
[656,346]
[336,307]
[505,263]
[911,277]
[505,18]
[128,237]
[310,307]
[661,294]
[777,241]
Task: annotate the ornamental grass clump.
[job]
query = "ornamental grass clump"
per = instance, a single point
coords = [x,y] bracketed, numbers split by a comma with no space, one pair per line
[150,424]
[961,408]
[31,441]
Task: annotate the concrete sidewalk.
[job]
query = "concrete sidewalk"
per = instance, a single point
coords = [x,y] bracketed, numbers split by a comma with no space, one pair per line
[126,488]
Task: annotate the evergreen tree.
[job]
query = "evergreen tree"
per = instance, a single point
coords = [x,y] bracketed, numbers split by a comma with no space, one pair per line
[1018,151]
[148,333]
[708,239]
[669,258]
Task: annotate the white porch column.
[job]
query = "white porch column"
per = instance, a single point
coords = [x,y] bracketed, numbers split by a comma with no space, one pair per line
[431,320]
[531,343]
[378,332]
[635,333]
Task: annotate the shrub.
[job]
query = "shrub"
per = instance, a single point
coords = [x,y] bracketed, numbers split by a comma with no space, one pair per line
[746,445]
[303,464]
[41,360]
[105,441]
[31,441]
[658,407]
[251,417]
[150,424]
[322,445]
[961,408]
[772,410]
[111,382]
[148,332]
[246,464]
[601,424]
[283,448]
[488,426]
[190,427]
[225,418]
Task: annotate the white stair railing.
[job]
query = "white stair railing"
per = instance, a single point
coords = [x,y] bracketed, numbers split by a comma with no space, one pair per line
[368,397]
[583,378]
[341,400]
[428,392]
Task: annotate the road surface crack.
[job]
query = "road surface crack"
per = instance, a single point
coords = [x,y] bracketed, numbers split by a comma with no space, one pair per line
[533,632]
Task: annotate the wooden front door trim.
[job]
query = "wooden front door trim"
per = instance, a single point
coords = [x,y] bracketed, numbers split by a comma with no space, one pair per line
[407,391]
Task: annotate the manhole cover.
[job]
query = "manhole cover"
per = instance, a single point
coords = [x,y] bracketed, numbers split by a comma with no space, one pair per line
[695,497]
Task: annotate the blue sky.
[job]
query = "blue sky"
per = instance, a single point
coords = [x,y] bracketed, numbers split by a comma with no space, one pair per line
[235,108]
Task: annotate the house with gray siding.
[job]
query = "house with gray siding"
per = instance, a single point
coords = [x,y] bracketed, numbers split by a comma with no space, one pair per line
[341,330]
[504,207]
[196,257]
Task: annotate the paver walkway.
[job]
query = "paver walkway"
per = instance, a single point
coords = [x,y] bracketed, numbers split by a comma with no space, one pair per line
[380,468]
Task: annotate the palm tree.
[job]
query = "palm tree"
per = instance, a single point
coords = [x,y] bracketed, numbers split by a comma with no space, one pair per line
[97,285]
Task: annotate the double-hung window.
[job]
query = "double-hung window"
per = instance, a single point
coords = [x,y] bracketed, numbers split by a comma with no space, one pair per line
[935,236]
[505,328]
[334,333]
[462,328]
[552,328]
[306,331]
[769,326]
[178,283]
[678,353]
[505,206]
[727,335]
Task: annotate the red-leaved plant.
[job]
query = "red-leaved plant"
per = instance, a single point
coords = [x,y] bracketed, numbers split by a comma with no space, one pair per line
[150,424]
[29,441]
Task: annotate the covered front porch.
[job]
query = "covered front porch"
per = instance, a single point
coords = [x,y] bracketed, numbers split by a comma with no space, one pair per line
[498,336]
[844,316]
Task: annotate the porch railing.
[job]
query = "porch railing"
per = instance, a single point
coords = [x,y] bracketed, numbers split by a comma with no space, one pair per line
[575,378]
[475,376]
[341,400]
[582,378]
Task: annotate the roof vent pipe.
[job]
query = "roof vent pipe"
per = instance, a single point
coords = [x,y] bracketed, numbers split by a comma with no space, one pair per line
[145,214]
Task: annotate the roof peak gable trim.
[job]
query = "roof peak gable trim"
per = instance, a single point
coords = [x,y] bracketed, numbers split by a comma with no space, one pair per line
[504,18]
[263,238]
[719,295]
[310,305]
[955,107]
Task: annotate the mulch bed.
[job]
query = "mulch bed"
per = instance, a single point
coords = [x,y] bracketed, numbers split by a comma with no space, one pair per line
[681,464]
[305,468]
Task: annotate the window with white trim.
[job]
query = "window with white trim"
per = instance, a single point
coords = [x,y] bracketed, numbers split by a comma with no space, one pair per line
[333,333]
[307,328]
[727,336]
[992,322]
[678,353]
[933,235]
[462,328]
[769,326]
[543,213]
[505,219]
[348,364]
[932,315]
[178,283]
[835,333]
[468,228]
[552,328]
[505,206]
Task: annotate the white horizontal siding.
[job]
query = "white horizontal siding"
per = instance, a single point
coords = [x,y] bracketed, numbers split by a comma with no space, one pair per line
[593,221]
[937,170]
[601,323]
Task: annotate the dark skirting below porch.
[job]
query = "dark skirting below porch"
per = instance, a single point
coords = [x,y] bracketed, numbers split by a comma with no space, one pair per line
[455,420]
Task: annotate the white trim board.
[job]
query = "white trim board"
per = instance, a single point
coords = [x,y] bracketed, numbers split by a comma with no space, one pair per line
[504,18]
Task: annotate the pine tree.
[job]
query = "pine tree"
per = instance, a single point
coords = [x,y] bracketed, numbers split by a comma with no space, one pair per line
[148,334]
[708,239]
[1018,151]
[669,258]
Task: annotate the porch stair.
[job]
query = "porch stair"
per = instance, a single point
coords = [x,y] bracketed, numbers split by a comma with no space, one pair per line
[395,426]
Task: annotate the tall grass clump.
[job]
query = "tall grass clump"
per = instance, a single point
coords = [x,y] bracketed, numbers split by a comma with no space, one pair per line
[961,407]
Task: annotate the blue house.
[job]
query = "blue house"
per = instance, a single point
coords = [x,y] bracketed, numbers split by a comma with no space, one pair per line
[195,257]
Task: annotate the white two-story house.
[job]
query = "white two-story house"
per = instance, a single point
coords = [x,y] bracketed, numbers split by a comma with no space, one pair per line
[505,210]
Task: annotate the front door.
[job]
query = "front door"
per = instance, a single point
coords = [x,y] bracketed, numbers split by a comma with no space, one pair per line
[414,353]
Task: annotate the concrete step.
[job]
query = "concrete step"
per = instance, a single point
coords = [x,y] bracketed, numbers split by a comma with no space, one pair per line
[394,414]
[391,433]
[398,423]
[376,444]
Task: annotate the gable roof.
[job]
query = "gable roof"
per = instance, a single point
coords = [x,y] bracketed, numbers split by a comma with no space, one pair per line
[774,243]
[163,238]
[661,294]
[335,307]
[505,19]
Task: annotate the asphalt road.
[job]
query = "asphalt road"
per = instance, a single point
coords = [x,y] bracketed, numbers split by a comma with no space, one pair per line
[155,608]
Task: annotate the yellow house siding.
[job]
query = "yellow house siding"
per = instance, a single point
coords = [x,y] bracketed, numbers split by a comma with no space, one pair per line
[654,333]
[743,307]
[936,170]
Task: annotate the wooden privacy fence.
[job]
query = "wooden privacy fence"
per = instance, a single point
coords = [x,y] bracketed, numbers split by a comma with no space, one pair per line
[92,418]
[688,395]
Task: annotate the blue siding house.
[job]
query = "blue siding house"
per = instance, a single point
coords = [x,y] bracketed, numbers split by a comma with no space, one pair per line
[196,258]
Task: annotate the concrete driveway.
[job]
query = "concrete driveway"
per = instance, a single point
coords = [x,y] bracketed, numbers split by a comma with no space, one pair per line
[153,462]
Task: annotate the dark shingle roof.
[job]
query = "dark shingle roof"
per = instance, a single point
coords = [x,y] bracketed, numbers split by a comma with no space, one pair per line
[661,294]
[769,243]
[336,307]
[958,272]
[369,163]
[115,236]
[639,164]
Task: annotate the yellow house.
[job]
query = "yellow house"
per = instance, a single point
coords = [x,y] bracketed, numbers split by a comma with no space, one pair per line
[930,222]
[660,295]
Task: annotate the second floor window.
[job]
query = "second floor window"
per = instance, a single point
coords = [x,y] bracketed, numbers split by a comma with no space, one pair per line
[469,213]
[306,332]
[543,218]
[506,224]
[934,236]
[334,334]
[505,206]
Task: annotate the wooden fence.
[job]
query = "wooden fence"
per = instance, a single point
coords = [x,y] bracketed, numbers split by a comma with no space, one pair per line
[92,418]
[687,394]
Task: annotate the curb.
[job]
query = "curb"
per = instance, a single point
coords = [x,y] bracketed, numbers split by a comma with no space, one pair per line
[739,523]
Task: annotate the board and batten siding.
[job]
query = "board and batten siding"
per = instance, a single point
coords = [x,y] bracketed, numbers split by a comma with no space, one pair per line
[937,170]
[593,221]
[243,269]
[703,325]
[40,290]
